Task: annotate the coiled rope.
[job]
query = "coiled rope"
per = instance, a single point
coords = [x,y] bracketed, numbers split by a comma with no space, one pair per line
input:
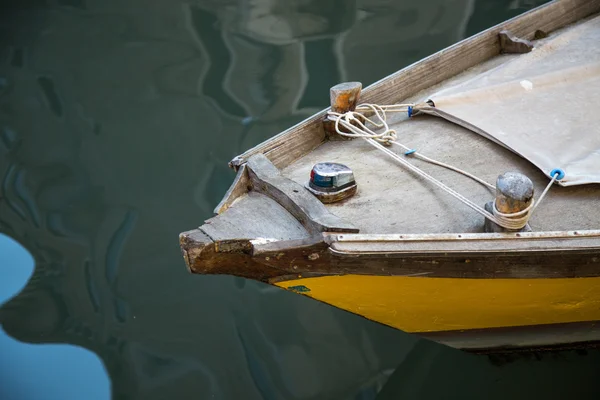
[354,122]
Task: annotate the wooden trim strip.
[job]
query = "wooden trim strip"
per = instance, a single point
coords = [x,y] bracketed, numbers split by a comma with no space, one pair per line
[420,237]
[474,243]
[302,138]
[297,200]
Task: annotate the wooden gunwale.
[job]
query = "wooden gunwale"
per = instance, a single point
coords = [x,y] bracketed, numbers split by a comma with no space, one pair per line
[563,255]
[304,137]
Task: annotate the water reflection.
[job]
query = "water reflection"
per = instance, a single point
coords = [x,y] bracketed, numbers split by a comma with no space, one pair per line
[436,373]
[117,120]
[59,371]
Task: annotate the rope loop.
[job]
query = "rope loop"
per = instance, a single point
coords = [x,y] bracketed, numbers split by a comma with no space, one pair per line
[516,220]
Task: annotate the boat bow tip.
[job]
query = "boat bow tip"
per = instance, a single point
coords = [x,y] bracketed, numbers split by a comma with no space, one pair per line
[193,244]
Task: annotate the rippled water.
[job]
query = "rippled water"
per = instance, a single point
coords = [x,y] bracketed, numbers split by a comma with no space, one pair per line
[117,120]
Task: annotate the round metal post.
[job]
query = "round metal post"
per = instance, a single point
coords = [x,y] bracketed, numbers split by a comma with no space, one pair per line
[514,193]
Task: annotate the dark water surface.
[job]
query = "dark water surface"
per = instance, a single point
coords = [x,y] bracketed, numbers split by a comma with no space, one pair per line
[117,120]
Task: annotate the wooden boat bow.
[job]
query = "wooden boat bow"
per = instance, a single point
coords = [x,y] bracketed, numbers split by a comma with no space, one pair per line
[415,261]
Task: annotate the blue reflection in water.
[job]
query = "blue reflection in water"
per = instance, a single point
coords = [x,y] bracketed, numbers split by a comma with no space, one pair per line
[42,371]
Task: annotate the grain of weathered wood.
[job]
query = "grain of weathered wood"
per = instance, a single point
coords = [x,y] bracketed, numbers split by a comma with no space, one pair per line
[202,256]
[252,216]
[558,258]
[302,138]
[311,242]
[519,255]
[239,187]
[194,246]
[563,255]
[474,265]
[289,145]
[298,201]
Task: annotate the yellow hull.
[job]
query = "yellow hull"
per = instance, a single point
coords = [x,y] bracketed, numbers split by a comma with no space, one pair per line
[424,305]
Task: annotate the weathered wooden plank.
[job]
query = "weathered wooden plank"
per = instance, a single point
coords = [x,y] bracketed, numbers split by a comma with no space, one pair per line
[314,261]
[298,201]
[554,257]
[194,245]
[254,215]
[289,145]
[516,255]
[202,255]
[302,138]
[238,188]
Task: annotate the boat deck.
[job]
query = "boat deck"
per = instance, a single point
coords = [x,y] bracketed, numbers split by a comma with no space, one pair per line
[391,199]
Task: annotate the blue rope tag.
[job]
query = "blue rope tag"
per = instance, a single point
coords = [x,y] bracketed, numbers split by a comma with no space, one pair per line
[409,152]
[559,172]
[410,110]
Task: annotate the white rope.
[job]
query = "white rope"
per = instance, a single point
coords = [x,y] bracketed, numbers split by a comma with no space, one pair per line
[389,136]
[351,121]
[448,166]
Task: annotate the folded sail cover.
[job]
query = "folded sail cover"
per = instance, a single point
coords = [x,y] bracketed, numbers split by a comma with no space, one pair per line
[543,105]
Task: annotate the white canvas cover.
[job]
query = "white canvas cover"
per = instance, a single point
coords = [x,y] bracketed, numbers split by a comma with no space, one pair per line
[543,105]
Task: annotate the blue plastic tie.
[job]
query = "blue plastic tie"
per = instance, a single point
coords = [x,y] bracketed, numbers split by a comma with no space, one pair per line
[410,111]
[559,172]
[409,152]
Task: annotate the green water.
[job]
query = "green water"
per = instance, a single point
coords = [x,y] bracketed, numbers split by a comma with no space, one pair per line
[117,120]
